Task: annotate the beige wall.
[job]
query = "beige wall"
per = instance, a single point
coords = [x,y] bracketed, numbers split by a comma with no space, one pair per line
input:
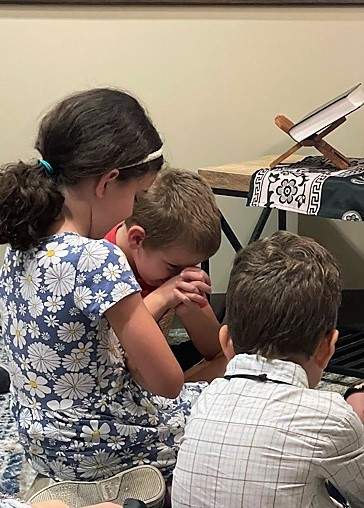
[213,79]
[345,240]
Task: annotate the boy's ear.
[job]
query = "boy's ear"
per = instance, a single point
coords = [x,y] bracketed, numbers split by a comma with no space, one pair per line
[326,348]
[136,236]
[226,342]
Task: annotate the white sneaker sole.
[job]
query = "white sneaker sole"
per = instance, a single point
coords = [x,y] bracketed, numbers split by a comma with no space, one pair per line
[144,483]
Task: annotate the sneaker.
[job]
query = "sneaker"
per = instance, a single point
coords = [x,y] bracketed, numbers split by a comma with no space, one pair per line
[144,483]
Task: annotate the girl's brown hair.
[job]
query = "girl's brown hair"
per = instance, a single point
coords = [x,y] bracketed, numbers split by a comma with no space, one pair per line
[85,135]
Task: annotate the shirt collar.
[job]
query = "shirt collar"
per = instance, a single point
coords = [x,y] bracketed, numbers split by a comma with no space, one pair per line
[276,370]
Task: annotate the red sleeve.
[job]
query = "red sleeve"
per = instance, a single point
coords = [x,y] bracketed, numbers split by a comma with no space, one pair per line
[111,235]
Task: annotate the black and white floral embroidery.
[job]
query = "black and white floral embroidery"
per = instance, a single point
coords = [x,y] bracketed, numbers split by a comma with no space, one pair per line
[286,191]
[352,215]
[312,187]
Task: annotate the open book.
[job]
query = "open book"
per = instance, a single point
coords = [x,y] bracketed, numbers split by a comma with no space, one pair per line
[325,115]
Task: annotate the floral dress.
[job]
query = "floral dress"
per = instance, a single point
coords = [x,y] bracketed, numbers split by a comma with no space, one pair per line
[80,414]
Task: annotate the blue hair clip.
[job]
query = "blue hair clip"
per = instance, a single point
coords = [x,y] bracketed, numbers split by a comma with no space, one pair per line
[48,168]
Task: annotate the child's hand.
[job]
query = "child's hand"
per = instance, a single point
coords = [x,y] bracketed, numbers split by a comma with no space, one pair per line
[193,273]
[194,276]
[189,286]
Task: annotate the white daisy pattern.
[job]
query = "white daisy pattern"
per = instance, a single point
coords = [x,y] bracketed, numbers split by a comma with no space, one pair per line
[61,470]
[74,386]
[36,430]
[81,278]
[30,280]
[93,433]
[12,309]
[43,358]
[70,332]
[120,291]
[75,362]
[59,432]
[63,405]
[54,303]
[92,257]
[35,306]
[33,330]
[60,278]
[100,296]
[83,297]
[25,418]
[37,385]
[101,461]
[24,362]
[8,285]
[4,314]
[16,375]
[19,330]
[83,348]
[6,266]
[51,321]
[116,442]
[112,272]
[97,278]
[22,309]
[52,254]
[80,414]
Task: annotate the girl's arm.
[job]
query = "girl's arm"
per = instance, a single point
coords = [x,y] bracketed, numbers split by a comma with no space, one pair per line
[146,348]
[202,327]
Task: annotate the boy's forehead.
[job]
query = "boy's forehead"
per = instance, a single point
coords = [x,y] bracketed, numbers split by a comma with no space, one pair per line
[181,256]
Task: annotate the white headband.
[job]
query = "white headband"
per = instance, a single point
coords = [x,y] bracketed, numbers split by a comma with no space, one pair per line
[151,157]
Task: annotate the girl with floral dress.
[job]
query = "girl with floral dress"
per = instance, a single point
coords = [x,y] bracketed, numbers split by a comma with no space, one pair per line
[95,386]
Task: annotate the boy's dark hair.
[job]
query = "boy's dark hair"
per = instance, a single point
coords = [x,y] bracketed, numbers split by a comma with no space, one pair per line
[85,135]
[179,209]
[283,297]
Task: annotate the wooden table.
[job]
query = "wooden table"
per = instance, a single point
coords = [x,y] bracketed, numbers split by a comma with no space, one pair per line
[236,177]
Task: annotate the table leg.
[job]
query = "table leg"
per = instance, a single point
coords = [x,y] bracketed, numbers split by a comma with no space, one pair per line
[260,225]
[229,233]
[232,238]
[205,266]
[282,220]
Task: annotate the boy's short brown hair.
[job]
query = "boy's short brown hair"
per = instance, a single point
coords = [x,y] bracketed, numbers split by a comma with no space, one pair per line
[179,209]
[283,297]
